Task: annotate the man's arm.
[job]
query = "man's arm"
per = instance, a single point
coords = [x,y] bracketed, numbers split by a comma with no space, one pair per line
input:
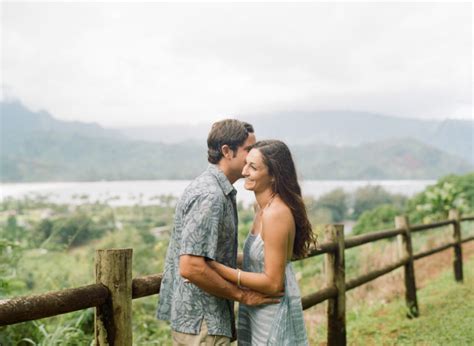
[197,271]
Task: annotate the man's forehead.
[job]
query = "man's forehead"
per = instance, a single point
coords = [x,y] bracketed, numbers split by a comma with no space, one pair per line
[249,141]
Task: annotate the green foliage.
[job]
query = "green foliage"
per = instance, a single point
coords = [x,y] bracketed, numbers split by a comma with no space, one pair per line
[464,183]
[75,329]
[10,254]
[43,231]
[369,197]
[332,207]
[71,230]
[147,330]
[432,204]
[13,231]
[382,217]
[246,216]
[451,192]
[11,251]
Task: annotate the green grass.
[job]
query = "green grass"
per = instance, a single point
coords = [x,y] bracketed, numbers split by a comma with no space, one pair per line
[446,316]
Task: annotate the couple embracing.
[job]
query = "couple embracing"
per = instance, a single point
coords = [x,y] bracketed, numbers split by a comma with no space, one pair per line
[203,273]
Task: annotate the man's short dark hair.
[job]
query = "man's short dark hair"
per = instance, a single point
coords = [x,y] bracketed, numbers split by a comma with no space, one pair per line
[232,132]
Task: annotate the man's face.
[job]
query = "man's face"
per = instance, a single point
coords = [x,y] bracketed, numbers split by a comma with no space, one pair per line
[238,162]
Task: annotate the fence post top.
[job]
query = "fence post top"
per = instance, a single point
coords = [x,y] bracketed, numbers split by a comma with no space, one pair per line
[335,229]
[454,214]
[117,250]
[401,221]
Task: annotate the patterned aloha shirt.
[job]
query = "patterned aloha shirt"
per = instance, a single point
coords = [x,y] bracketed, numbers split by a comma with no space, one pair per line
[205,225]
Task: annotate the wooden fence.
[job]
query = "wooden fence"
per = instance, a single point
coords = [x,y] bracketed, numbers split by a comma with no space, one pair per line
[114,289]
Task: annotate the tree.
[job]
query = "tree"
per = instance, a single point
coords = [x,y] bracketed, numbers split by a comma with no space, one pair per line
[369,197]
[336,202]
[435,202]
[379,218]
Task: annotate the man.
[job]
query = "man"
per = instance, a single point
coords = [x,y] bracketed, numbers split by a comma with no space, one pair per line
[195,299]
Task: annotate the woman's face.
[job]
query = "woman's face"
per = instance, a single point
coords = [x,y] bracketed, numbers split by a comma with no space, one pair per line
[255,172]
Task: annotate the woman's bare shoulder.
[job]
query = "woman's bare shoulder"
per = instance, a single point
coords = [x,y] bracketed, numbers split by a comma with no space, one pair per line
[279,208]
[278,215]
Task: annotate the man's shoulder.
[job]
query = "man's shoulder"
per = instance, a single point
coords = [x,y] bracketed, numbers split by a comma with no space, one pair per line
[205,186]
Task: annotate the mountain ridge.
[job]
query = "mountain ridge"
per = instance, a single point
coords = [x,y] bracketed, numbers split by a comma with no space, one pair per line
[339,128]
[47,149]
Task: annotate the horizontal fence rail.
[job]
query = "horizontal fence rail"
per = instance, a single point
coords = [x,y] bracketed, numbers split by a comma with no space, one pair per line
[433,251]
[100,295]
[321,249]
[363,279]
[465,240]
[318,297]
[146,286]
[433,225]
[35,307]
[49,304]
[368,238]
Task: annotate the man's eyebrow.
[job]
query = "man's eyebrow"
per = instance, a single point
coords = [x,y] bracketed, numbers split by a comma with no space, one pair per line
[248,147]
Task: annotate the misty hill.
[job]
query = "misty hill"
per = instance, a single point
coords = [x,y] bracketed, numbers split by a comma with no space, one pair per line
[336,128]
[65,157]
[37,147]
[18,120]
[403,158]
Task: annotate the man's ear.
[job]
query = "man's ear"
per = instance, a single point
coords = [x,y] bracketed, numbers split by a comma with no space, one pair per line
[227,152]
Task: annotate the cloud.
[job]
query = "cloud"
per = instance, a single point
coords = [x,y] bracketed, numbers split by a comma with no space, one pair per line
[146,63]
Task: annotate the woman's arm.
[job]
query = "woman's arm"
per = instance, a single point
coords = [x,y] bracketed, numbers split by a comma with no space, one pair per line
[279,224]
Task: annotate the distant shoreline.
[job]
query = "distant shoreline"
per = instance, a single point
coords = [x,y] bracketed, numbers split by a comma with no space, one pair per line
[152,191]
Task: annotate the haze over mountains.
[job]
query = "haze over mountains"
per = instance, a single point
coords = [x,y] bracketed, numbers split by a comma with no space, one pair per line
[326,145]
[335,128]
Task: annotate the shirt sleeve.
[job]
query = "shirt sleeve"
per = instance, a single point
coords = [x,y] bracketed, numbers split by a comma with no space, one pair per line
[201,226]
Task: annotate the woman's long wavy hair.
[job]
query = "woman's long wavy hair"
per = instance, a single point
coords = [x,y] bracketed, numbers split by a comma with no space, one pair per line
[277,157]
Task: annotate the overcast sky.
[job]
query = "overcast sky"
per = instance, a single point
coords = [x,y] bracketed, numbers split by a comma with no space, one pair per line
[122,64]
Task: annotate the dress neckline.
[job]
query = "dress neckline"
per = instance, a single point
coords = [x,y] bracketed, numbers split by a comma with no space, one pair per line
[258,236]
[255,235]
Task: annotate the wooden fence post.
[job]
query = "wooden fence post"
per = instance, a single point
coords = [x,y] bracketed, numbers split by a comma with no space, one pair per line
[406,251]
[113,320]
[457,263]
[336,276]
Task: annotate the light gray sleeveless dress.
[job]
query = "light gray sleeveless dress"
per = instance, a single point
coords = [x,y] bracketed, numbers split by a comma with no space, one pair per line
[274,324]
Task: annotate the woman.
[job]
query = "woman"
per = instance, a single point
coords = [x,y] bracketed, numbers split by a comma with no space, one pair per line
[281,231]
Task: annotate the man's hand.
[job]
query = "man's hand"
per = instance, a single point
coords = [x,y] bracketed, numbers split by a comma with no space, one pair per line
[253,298]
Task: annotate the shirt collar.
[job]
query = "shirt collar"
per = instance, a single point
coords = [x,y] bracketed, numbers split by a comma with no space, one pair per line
[224,183]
